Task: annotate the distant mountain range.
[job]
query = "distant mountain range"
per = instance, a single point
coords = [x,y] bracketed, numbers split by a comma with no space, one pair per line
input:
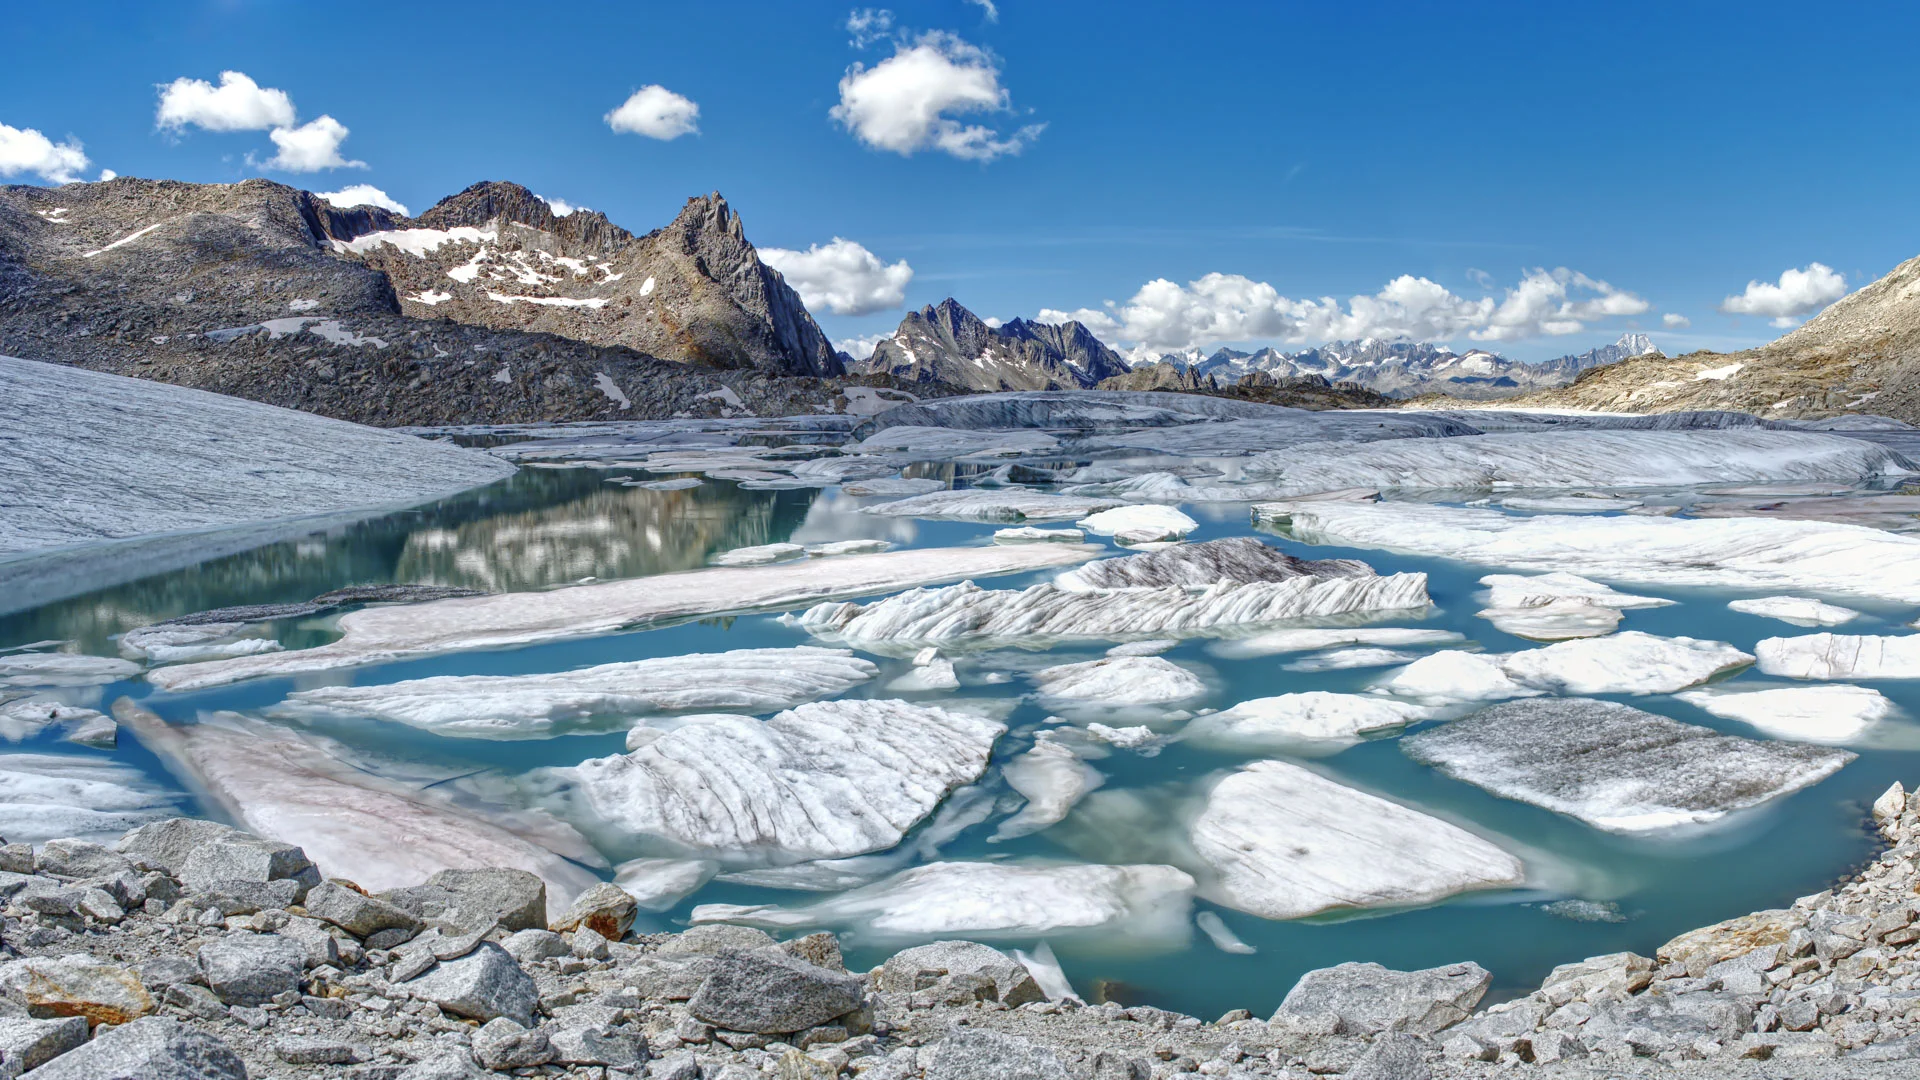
[946,344]
[1402,369]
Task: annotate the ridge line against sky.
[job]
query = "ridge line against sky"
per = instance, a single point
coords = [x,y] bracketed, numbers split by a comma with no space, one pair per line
[1242,175]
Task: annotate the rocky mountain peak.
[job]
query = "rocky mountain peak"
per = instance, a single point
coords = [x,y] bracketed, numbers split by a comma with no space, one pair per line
[501,200]
[946,343]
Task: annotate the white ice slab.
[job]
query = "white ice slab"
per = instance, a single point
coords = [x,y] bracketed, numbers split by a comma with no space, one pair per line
[1027,534]
[1615,767]
[1455,676]
[1285,842]
[760,555]
[49,796]
[994,504]
[1798,610]
[1140,524]
[825,780]
[1144,905]
[1820,714]
[1629,662]
[378,832]
[534,706]
[849,547]
[1273,723]
[1117,681]
[1237,559]
[1346,659]
[1051,778]
[377,634]
[892,485]
[1274,642]
[1736,553]
[1841,656]
[25,669]
[966,612]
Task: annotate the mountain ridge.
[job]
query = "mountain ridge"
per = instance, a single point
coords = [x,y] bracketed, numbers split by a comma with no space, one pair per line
[1402,369]
[946,344]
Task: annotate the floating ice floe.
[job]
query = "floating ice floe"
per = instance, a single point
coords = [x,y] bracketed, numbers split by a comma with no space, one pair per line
[935,674]
[825,780]
[1576,503]
[1798,610]
[1742,553]
[1139,524]
[1117,681]
[1237,560]
[850,469]
[940,443]
[1212,925]
[1147,906]
[994,504]
[172,643]
[1030,535]
[28,669]
[1285,842]
[1276,723]
[892,486]
[1630,662]
[678,483]
[1578,459]
[378,832]
[1821,714]
[1051,778]
[30,718]
[49,796]
[1126,738]
[659,884]
[1615,767]
[759,556]
[968,613]
[386,633]
[849,547]
[1274,642]
[1556,606]
[1150,647]
[1841,656]
[533,706]
[1347,659]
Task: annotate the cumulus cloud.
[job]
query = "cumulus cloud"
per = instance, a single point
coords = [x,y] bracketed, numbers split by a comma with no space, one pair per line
[1797,293]
[1675,322]
[868,25]
[237,104]
[107,174]
[560,207]
[312,146]
[1165,316]
[988,7]
[657,113]
[909,101]
[24,150]
[364,195]
[842,276]
[860,348]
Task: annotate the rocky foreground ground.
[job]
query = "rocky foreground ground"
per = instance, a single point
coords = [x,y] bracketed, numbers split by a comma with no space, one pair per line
[190,950]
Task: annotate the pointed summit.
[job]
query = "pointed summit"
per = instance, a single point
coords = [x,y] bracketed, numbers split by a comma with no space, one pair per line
[946,343]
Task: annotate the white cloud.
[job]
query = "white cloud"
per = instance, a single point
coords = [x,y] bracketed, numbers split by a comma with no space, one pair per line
[988,7]
[1797,293]
[560,207]
[238,104]
[860,348]
[363,195]
[1167,316]
[994,321]
[842,276]
[312,146]
[657,113]
[1676,322]
[108,174]
[903,103]
[24,150]
[868,25]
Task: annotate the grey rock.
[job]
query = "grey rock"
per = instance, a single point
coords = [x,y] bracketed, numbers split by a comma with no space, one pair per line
[588,945]
[194,999]
[978,1055]
[1680,1017]
[235,896]
[821,950]
[914,969]
[769,992]
[597,1044]
[466,901]
[678,1067]
[168,843]
[391,938]
[1550,1046]
[527,946]
[356,912]
[79,859]
[316,1050]
[251,969]
[312,936]
[1109,1065]
[239,857]
[16,858]
[606,909]
[1907,1049]
[28,1044]
[445,1066]
[481,985]
[1368,998]
[151,1048]
[713,938]
[77,984]
[164,971]
[503,1044]
[1394,1055]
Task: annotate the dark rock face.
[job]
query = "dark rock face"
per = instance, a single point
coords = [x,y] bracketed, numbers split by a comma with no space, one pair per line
[769,992]
[267,292]
[947,344]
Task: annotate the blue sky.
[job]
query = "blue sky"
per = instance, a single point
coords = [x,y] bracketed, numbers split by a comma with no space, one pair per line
[1675,152]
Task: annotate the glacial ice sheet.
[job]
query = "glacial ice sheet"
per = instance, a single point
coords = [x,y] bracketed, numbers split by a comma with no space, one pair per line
[1615,767]
[991,504]
[1820,714]
[1117,681]
[1579,459]
[1237,559]
[49,796]
[1285,842]
[1841,656]
[1145,906]
[1630,662]
[534,706]
[1798,610]
[1051,778]
[377,634]
[1287,720]
[824,780]
[1740,553]
[968,613]
[30,669]
[377,831]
